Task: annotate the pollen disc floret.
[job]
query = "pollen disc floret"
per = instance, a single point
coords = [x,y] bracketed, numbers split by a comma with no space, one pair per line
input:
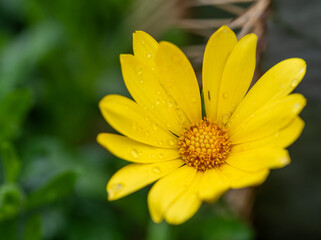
[204,145]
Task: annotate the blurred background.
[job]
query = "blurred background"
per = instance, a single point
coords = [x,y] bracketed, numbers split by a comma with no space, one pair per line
[59,58]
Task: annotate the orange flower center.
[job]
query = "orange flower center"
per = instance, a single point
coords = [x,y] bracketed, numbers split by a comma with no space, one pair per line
[204,145]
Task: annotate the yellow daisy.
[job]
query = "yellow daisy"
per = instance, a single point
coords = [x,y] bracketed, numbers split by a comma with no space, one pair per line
[196,158]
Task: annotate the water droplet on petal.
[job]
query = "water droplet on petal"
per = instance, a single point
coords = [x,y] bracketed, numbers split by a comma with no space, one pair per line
[156,170]
[148,55]
[225,118]
[155,126]
[160,155]
[171,142]
[139,70]
[168,125]
[134,153]
[141,81]
[277,134]
[284,160]
[114,189]
[170,104]
[294,82]
[225,95]
[157,101]
[161,142]
[252,115]
[296,107]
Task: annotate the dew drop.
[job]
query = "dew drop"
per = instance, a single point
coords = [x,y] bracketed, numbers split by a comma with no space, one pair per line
[225,95]
[147,133]
[142,42]
[294,82]
[155,127]
[277,134]
[168,125]
[134,153]
[252,115]
[156,170]
[161,142]
[282,85]
[139,70]
[153,156]
[284,160]
[171,142]
[148,55]
[157,101]
[114,189]
[170,104]
[141,81]
[160,155]
[296,107]
[159,92]
[225,118]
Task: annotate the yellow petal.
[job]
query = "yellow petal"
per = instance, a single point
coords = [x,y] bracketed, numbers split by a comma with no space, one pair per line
[282,139]
[130,119]
[133,151]
[260,159]
[216,53]
[145,87]
[167,189]
[212,186]
[185,206]
[145,47]
[136,176]
[278,82]
[239,179]
[268,119]
[178,78]
[237,76]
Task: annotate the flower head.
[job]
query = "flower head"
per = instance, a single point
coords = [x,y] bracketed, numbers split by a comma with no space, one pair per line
[196,158]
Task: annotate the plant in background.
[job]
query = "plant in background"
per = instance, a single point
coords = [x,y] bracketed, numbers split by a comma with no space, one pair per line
[196,157]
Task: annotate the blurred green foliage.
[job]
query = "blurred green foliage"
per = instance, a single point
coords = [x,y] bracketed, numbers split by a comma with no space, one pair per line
[57,60]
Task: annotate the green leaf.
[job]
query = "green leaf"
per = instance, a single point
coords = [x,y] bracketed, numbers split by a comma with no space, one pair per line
[10,161]
[13,109]
[55,189]
[11,199]
[33,228]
